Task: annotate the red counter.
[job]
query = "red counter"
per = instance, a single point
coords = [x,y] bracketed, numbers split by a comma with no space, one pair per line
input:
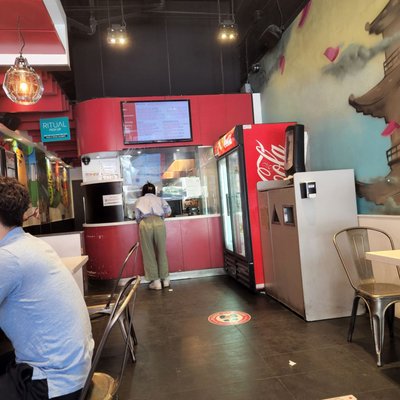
[193,243]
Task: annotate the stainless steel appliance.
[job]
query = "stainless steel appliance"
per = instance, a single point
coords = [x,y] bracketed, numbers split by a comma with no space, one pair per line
[298,221]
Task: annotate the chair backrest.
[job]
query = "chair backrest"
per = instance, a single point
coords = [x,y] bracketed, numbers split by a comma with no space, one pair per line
[351,245]
[124,301]
[133,251]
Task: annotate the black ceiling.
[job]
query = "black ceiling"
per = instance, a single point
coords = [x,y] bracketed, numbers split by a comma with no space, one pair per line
[260,22]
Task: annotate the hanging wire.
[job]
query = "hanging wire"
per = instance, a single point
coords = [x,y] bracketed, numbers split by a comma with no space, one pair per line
[247,59]
[233,14]
[280,12]
[219,12]
[21,37]
[108,13]
[168,56]
[122,13]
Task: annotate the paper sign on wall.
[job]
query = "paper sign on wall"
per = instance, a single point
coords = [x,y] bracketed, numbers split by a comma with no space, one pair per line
[112,200]
[192,186]
[102,169]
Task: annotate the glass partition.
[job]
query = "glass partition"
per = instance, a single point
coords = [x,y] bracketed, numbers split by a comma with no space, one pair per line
[184,176]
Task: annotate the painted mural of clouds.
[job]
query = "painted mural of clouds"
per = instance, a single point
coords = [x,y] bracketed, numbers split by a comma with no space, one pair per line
[355,57]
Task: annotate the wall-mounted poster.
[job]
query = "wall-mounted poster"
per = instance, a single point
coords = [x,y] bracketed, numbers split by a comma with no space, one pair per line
[11,164]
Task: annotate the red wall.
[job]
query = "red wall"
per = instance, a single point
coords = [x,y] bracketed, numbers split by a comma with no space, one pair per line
[99,123]
[53,103]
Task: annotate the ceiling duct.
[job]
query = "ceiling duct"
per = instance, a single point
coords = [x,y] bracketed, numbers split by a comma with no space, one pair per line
[91,29]
[140,8]
[270,36]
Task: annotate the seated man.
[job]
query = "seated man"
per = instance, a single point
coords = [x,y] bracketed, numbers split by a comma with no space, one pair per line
[42,311]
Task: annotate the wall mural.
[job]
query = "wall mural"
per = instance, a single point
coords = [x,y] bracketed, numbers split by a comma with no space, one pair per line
[382,101]
[336,70]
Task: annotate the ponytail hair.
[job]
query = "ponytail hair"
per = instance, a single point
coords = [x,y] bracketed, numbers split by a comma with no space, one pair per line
[148,188]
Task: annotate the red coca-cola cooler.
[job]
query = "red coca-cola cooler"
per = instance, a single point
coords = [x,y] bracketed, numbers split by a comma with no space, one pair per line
[245,155]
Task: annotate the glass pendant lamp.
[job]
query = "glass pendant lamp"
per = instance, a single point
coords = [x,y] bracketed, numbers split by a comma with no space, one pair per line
[21,83]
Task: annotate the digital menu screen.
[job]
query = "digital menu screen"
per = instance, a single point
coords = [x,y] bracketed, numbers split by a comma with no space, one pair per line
[156,121]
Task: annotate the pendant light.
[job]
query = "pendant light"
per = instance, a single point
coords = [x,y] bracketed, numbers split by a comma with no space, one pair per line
[21,83]
[116,33]
[228,31]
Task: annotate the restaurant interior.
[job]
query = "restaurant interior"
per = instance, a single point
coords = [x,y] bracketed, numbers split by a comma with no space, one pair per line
[266,128]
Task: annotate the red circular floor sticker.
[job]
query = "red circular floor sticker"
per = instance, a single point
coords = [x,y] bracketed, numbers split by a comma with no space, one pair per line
[229,318]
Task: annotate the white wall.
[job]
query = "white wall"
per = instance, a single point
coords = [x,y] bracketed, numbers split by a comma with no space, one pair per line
[68,245]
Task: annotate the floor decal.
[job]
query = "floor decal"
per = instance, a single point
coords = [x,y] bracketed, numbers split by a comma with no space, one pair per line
[229,318]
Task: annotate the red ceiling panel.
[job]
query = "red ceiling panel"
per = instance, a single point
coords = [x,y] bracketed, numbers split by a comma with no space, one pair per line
[36,42]
[32,14]
[35,25]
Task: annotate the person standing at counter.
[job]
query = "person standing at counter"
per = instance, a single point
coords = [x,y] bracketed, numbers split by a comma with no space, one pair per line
[42,311]
[150,212]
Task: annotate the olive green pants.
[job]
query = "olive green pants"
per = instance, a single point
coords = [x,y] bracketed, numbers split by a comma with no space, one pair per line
[153,237]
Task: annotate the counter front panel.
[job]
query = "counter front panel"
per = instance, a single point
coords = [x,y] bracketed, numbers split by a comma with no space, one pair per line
[193,243]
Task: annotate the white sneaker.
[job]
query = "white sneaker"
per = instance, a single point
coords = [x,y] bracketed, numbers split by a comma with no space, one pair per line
[155,285]
[166,282]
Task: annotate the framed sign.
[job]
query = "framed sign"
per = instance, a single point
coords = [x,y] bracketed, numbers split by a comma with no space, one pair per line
[54,129]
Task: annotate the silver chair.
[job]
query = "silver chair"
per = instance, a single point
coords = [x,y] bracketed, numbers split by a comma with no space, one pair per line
[101,305]
[379,297]
[99,385]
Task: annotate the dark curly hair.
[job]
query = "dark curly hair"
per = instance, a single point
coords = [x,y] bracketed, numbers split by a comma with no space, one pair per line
[148,188]
[14,201]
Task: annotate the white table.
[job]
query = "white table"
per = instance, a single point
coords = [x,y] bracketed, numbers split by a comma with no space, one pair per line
[385,256]
[75,265]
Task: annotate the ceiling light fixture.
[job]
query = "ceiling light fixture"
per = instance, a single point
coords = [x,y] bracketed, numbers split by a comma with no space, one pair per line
[228,31]
[116,33]
[21,83]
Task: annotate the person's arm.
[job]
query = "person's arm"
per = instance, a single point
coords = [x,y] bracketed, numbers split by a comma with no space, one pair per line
[166,208]
[138,213]
[9,274]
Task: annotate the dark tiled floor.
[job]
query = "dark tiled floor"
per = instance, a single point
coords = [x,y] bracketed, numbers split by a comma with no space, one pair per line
[181,355]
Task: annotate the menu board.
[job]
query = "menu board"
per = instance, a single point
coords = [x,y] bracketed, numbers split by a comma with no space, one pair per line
[156,121]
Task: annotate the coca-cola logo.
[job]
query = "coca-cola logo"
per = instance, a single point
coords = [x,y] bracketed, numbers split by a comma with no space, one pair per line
[271,163]
[227,140]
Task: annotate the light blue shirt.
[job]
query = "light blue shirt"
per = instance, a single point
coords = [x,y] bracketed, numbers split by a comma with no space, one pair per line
[150,204]
[43,313]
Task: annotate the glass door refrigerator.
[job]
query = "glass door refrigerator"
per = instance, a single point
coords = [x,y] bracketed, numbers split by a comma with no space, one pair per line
[245,155]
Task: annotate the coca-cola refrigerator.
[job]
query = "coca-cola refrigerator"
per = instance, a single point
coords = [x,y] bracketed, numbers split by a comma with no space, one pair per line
[245,155]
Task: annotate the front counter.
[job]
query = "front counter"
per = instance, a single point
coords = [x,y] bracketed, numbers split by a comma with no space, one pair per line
[185,176]
[193,243]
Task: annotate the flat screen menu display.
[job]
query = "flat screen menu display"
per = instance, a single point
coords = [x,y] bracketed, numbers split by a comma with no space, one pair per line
[156,121]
